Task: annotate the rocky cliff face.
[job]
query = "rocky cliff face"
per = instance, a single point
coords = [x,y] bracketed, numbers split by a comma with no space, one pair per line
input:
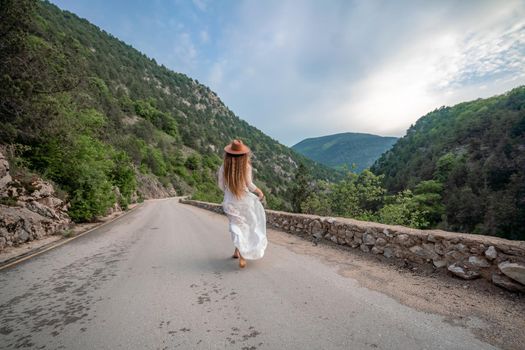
[29,209]
[149,187]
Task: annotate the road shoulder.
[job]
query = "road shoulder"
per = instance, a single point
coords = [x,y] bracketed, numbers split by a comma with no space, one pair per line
[492,314]
[14,255]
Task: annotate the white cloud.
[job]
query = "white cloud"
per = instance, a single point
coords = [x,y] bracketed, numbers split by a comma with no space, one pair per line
[200,4]
[204,36]
[298,70]
[184,53]
[216,74]
[446,67]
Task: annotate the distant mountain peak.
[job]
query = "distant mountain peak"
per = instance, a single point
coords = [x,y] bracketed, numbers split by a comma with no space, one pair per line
[345,149]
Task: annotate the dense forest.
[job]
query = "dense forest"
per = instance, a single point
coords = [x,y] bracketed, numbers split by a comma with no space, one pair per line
[354,151]
[459,168]
[476,152]
[101,120]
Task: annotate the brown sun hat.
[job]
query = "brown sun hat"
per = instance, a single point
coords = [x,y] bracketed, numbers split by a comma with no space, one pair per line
[236,147]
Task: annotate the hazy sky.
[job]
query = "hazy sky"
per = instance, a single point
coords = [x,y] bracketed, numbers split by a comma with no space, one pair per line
[298,68]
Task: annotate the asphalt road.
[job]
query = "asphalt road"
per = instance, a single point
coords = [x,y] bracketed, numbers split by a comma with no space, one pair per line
[161,277]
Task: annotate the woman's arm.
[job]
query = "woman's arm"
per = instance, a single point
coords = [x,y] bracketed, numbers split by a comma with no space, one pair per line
[220,177]
[251,186]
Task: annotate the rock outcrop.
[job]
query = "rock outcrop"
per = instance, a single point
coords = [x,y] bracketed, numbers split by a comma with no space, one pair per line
[466,256]
[149,187]
[29,209]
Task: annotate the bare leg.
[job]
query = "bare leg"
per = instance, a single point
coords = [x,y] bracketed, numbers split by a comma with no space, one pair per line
[242,262]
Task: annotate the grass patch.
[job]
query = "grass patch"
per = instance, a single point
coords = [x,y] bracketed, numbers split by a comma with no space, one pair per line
[67,233]
[9,201]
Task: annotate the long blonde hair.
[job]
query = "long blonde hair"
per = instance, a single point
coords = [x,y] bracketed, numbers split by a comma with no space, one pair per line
[235,172]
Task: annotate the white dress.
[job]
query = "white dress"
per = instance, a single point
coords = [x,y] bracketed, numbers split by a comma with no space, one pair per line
[247,218]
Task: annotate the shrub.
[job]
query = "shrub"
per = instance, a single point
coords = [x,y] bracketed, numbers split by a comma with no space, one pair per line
[403,211]
[193,162]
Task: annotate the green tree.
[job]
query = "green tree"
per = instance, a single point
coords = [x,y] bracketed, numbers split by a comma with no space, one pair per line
[82,169]
[402,209]
[428,200]
[300,188]
[319,201]
[122,175]
[358,195]
[194,161]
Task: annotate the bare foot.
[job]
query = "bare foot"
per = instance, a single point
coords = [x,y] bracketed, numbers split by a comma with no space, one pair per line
[236,254]
[242,262]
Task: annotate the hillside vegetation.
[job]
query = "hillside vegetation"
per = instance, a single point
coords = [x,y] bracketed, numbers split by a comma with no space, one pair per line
[459,168]
[106,123]
[476,152]
[355,151]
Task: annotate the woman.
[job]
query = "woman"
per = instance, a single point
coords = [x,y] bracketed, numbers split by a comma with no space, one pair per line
[247,220]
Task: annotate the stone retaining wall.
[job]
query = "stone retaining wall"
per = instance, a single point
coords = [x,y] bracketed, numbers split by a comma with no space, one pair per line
[467,256]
